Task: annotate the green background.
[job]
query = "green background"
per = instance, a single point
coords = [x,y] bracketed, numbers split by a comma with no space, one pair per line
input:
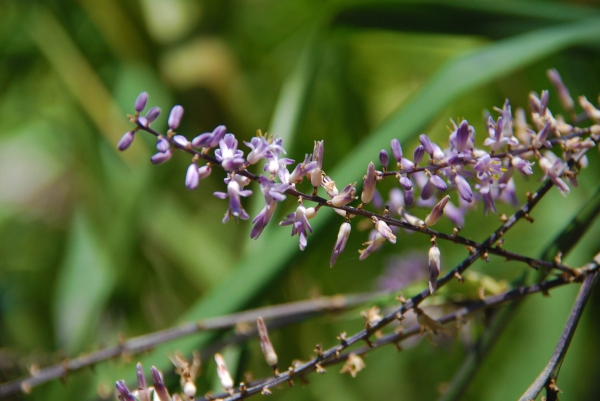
[94,243]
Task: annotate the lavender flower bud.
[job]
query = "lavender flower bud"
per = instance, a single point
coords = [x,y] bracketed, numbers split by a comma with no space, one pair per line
[464,189]
[161,157]
[192,178]
[437,182]
[436,212]
[162,144]
[265,343]
[396,150]
[223,373]
[384,158]
[369,185]
[124,391]
[344,197]
[318,154]
[204,172]
[181,141]
[175,117]
[160,391]
[340,244]
[385,231]
[406,183]
[545,96]
[140,376]
[563,92]
[434,267]
[152,114]
[140,102]
[373,245]
[418,155]
[462,136]
[427,144]
[409,197]
[126,141]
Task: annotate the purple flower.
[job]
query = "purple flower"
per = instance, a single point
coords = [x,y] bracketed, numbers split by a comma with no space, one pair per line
[152,115]
[140,376]
[409,197]
[396,150]
[181,141]
[159,387]
[542,137]
[384,230]
[161,157]
[522,165]
[434,267]
[427,144]
[462,138]
[262,219]
[175,117]
[419,153]
[228,155]
[162,144]
[126,140]
[436,212]
[369,184]
[346,196]
[340,243]
[563,92]
[384,159]
[464,189]
[372,245]
[192,178]
[551,170]
[488,167]
[124,391]
[210,139]
[204,171]
[274,162]
[140,102]
[406,183]
[234,191]
[259,146]
[302,169]
[300,224]
[272,192]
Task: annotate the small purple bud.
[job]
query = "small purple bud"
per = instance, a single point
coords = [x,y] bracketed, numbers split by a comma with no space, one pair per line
[397,150]
[124,391]
[409,197]
[462,136]
[384,159]
[175,117]
[152,114]
[437,212]
[192,178]
[418,155]
[162,144]
[140,376]
[340,243]
[159,387]
[464,189]
[427,144]
[563,92]
[181,141]
[204,172]
[406,183]
[140,102]
[437,181]
[161,157]
[369,184]
[125,141]
[544,101]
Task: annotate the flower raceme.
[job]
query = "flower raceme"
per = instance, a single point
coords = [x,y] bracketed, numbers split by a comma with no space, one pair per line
[478,175]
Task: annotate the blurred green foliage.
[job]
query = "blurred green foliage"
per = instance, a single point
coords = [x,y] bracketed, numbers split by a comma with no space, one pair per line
[95,243]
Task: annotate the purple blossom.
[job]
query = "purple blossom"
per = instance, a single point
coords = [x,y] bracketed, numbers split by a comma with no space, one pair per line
[384,230]
[274,162]
[436,212]
[262,219]
[152,115]
[259,146]
[346,196]
[204,171]
[396,150]
[161,157]
[210,139]
[192,178]
[175,117]
[228,154]
[488,167]
[462,138]
[522,165]
[300,225]
[384,159]
[372,245]
[272,192]
[463,187]
[406,183]
[541,139]
[234,191]
[159,387]
[340,243]
[181,141]
[427,144]
[369,184]
[124,391]
[162,144]
[126,140]
[563,92]
[302,169]
[419,153]
[409,197]
[140,102]
[551,171]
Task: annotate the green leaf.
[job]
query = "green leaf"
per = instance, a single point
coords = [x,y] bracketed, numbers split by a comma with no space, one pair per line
[84,284]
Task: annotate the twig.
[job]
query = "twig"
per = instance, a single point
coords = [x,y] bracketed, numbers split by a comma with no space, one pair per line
[146,342]
[550,373]
[256,387]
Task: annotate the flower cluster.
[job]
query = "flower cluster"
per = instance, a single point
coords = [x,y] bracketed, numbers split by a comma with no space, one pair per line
[477,174]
